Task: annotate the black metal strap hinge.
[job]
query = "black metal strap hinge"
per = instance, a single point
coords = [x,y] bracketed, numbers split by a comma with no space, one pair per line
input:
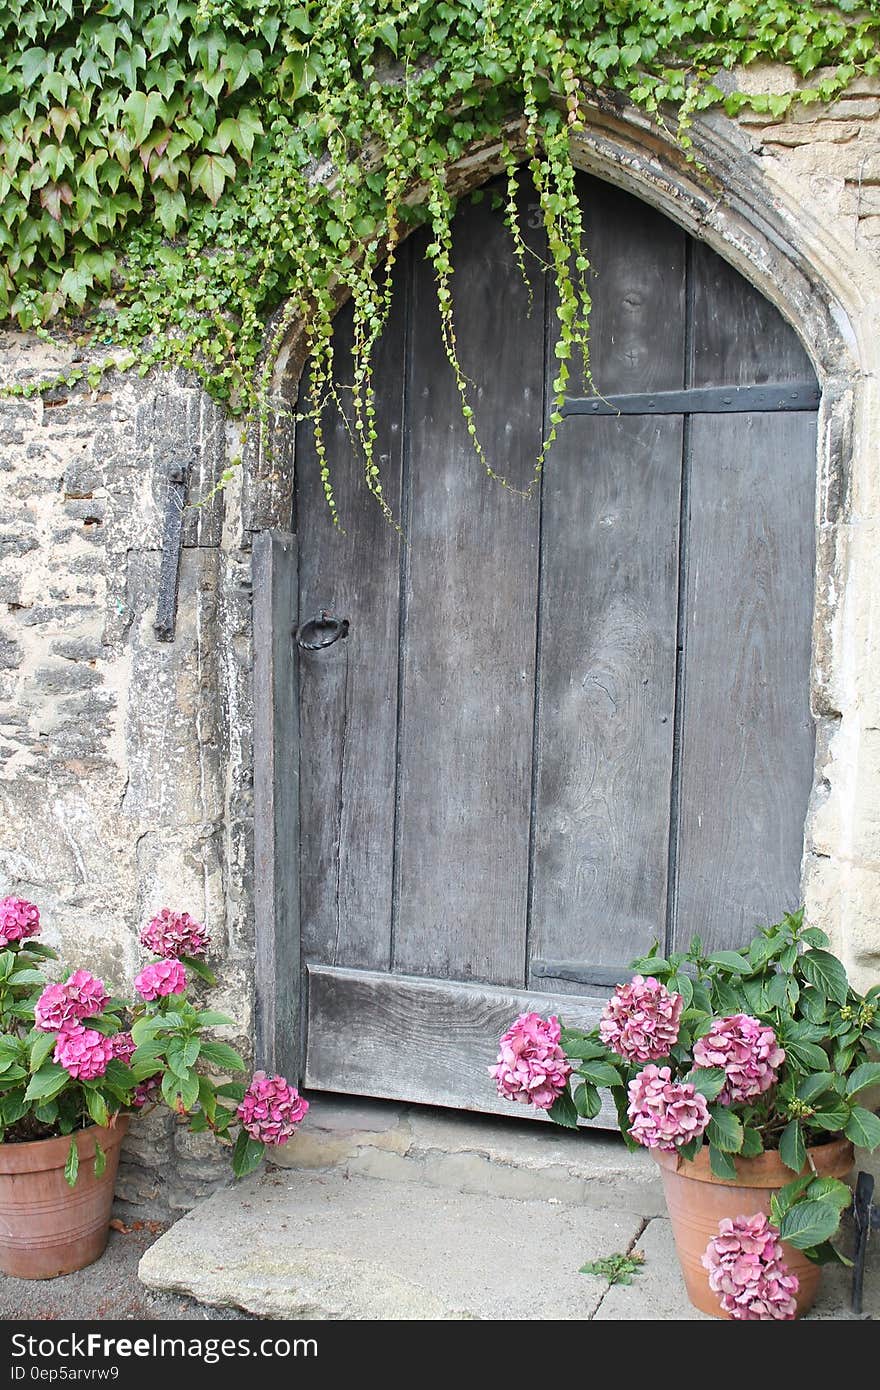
[169,574]
[702,400]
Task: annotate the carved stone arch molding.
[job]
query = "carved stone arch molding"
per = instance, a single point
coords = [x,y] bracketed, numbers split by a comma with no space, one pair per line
[776,235]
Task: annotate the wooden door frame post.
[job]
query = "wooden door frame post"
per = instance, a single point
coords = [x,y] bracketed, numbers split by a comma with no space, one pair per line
[277,1002]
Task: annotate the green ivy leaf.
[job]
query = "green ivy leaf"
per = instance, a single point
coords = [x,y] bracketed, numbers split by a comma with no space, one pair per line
[210,173]
[142,110]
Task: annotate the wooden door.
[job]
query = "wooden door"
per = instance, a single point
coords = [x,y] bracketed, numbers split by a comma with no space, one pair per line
[562,727]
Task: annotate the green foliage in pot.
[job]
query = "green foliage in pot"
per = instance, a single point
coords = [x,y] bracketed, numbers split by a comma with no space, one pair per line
[766,1048]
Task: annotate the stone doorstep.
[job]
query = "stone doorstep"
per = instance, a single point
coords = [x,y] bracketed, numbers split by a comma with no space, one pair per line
[326,1245]
[480,1154]
[323,1244]
[385,1211]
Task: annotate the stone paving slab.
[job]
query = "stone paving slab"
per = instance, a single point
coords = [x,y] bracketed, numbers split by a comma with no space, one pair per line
[657,1293]
[300,1244]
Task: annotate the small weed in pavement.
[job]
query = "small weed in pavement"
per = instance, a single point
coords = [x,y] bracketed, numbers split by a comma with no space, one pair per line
[617,1269]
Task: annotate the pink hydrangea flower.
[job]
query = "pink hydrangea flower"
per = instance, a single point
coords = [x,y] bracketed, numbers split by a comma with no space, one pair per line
[146,1091]
[19,919]
[747,1270]
[665,1113]
[271,1109]
[124,1046]
[81,996]
[84,1052]
[532,1067]
[174,934]
[160,979]
[747,1050]
[640,1021]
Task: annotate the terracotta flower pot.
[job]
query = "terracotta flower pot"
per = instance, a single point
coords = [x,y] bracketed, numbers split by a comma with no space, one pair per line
[46,1227]
[697,1201]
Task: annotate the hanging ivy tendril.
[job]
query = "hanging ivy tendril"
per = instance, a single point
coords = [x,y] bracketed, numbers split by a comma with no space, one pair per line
[173,173]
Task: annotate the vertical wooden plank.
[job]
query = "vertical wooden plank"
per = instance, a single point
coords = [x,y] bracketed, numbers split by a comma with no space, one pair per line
[608,612]
[747,736]
[738,337]
[348,713]
[276,805]
[470,609]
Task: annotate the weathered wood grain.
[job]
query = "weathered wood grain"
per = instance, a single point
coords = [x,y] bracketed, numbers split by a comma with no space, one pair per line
[738,337]
[424,1040]
[609,595]
[348,703]
[276,805]
[747,737]
[464,780]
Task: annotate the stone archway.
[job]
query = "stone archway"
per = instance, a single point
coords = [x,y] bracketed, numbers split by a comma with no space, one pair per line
[772,237]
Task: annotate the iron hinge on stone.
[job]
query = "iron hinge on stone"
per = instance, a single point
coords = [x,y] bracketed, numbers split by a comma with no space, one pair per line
[177,477]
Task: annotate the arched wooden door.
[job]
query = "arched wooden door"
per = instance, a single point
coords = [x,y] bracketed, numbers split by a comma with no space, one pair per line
[563,727]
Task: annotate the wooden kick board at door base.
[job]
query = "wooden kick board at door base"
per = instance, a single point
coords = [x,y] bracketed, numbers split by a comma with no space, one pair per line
[423,1040]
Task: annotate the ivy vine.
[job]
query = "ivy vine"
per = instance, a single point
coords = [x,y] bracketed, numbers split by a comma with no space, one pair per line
[172,171]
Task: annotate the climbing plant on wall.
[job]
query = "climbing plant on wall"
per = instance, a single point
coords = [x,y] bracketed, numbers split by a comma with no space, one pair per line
[176,171]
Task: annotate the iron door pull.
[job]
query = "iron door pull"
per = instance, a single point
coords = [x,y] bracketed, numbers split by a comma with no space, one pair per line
[321,631]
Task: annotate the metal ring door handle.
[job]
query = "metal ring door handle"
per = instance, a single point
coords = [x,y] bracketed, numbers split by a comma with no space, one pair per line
[321,631]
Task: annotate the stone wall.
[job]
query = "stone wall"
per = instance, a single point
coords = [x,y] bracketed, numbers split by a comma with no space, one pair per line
[119,789]
[125,762]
